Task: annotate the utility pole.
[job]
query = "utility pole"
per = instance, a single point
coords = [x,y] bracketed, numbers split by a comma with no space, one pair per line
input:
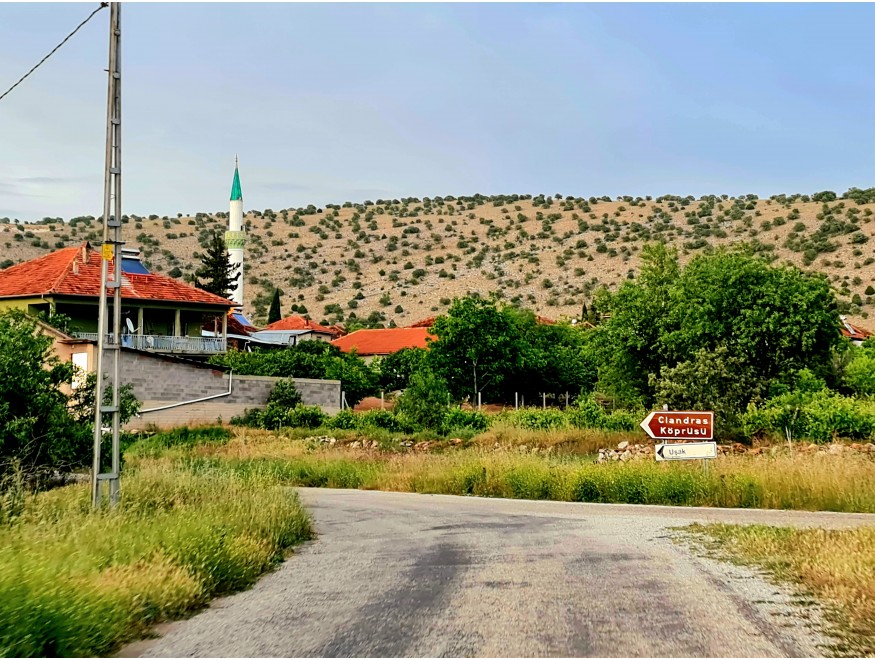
[110,252]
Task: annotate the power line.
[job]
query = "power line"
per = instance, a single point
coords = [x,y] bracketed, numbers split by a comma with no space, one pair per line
[20,80]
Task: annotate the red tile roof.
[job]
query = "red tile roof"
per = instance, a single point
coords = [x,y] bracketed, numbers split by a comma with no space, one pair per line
[75,271]
[854,331]
[300,323]
[383,341]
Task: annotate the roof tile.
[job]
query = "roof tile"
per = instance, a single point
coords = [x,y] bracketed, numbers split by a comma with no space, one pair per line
[75,271]
[383,341]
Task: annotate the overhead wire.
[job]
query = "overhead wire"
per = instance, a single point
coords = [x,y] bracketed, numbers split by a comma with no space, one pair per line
[103,5]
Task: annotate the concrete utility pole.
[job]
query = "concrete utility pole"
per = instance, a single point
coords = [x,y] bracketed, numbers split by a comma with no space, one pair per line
[110,251]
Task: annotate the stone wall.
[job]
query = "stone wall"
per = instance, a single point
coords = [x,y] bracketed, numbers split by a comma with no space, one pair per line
[160,381]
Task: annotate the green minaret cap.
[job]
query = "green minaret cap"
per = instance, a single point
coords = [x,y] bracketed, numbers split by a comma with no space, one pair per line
[236,191]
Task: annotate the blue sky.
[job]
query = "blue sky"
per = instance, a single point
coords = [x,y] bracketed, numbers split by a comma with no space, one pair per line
[329,103]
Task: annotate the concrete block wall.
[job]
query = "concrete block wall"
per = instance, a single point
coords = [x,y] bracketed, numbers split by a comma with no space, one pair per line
[159,381]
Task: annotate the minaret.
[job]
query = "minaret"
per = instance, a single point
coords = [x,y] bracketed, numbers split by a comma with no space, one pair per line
[235,237]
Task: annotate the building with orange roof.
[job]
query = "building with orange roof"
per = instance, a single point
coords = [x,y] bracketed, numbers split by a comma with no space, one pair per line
[370,344]
[318,331]
[854,333]
[159,314]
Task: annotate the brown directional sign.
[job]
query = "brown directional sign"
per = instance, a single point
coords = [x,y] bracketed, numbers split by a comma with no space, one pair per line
[679,425]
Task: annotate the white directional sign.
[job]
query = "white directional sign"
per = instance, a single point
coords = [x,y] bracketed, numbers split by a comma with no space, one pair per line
[685,451]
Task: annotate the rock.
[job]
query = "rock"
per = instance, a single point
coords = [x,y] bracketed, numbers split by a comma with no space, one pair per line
[836,449]
[354,445]
[615,456]
[374,444]
[626,455]
[456,441]
[869,447]
[623,445]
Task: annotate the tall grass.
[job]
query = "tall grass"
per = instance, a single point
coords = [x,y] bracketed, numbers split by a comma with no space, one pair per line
[837,566]
[780,481]
[74,582]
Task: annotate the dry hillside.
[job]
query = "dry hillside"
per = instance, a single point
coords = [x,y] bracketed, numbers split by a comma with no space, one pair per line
[406,259]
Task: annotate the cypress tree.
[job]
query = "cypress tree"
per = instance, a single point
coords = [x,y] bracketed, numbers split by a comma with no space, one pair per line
[274,313]
[216,273]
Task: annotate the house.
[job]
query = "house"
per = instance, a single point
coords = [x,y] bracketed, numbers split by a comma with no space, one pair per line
[159,314]
[303,324]
[370,344]
[854,333]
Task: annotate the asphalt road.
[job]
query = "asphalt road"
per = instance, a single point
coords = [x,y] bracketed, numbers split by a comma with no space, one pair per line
[396,574]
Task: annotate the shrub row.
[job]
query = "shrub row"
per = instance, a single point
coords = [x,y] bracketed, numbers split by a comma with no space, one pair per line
[819,416]
[311,417]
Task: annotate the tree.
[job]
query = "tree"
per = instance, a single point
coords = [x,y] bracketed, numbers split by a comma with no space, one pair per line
[274,314]
[770,321]
[710,380]
[859,375]
[397,368]
[477,347]
[776,319]
[216,273]
[36,428]
[553,358]
[424,402]
[40,426]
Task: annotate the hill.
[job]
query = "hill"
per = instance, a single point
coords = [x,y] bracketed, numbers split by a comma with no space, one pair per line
[404,259]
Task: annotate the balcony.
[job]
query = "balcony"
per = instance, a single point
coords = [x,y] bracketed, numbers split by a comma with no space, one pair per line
[165,343]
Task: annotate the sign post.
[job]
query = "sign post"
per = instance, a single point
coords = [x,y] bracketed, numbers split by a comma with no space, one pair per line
[674,426]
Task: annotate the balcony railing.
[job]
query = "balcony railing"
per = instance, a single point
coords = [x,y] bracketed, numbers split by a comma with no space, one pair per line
[165,343]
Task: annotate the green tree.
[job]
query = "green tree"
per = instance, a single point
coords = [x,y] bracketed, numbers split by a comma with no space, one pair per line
[36,428]
[554,358]
[397,368]
[477,347]
[216,273]
[274,314]
[709,380]
[627,347]
[777,320]
[309,359]
[859,374]
[424,402]
[771,322]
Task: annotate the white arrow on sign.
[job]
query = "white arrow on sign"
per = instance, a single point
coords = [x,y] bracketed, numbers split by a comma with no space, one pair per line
[686,451]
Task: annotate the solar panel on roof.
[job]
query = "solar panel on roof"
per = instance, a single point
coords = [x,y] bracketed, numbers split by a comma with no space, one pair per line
[134,266]
[238,316]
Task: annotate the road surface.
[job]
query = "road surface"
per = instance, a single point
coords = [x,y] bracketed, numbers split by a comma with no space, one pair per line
[399,574]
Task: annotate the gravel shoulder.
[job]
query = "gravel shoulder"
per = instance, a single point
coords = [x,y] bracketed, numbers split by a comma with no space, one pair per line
[400,574]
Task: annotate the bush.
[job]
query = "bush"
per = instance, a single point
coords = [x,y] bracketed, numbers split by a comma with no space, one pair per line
[381,419]
[424,402]
[819,416]
[345,420]
[284,394]
[457,419]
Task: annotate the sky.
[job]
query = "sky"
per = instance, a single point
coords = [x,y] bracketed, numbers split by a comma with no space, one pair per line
[327,103]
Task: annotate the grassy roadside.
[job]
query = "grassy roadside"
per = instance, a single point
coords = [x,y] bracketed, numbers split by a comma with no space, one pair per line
[78,583]
[837,567]
[780,481]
